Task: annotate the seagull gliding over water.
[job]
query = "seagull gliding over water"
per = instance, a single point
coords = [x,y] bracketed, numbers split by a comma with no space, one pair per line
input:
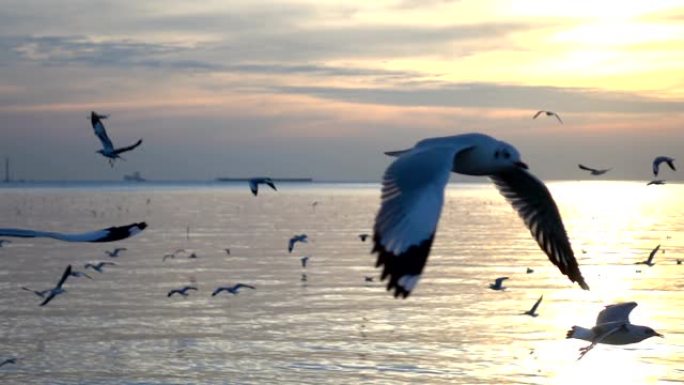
[115,253]
[649,261]
[413,194]
[57,290]
[547,113]
[532,311]
[660,159]
[594,171]
[612,327]
[235,289]
[255,182]
[296,238]
[498,284]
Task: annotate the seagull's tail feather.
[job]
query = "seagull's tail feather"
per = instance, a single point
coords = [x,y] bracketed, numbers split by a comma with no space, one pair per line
[580,333]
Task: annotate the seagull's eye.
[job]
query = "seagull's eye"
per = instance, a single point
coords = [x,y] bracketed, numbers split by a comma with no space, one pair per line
[506,154]
[496,154]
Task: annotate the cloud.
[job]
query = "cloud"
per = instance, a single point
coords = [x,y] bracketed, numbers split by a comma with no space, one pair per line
[492,95]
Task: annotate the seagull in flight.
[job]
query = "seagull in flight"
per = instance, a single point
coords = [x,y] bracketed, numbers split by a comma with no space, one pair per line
[649,261]
[8,361]
[108,150]
[368,278]
[115,253]
[547,113]
[497,285]
[594,171]
[98,266]
[612,327]
[57,290]
[413,195]
[109,234]
[227,251]
[530,270]
[304,260]
[363,237]
[297,238]
[182,291]
[173,255]
[3,241]
[660,159]
[235,289]
[255,182]
[656,182]
[532,311]
[79,274]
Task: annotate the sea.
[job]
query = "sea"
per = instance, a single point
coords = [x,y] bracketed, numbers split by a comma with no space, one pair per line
[324,323]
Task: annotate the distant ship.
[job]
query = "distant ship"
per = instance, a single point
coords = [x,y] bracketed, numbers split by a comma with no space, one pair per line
[135,177]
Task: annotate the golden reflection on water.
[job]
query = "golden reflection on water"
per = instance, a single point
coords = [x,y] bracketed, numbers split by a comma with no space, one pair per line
[335,328]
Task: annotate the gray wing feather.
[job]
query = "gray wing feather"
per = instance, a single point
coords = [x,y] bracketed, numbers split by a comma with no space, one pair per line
[102,135]
[535,205]
[615,313]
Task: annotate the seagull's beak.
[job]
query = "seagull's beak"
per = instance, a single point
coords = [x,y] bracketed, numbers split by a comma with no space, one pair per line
[521,165]
[659,335]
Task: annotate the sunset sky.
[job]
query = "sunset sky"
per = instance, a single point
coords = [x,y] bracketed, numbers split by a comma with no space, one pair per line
[322,88]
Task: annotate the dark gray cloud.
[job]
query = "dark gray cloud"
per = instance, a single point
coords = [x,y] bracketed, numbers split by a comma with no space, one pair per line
[491,95]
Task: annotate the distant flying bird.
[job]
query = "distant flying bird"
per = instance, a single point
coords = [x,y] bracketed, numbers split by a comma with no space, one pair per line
[192,256]
[98,266]
[613,328]
[655,182]
[497,285]
[57,290]
[8,361]
[296,238]
[593,170]
[679,261]
[368,278]
[234,290]
[304,260]
[649,262]
[530,270]
[108,150]
[3,241]
[255,182]
[173,255]
[79,274]
[227,251]
[182,291]
[547,113]
[304,277]
[109,234]
[532,311]
[115,253]
[363,237]
[40,293]
[660,159]
[413,196]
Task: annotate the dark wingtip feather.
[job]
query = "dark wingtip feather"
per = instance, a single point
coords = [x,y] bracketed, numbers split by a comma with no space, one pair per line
[410,262]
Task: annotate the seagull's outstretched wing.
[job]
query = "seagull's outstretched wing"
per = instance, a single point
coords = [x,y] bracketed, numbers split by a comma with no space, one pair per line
[535,205]
[538,113]
[652,254]
[583,167]
[128,148]
[412,198]
[271,184]
[254,187]
[52,294]
[109,234]
[557,117]
[615,313]
[536,305]
[240,285]
[499,281]
[101,133]
[65,275]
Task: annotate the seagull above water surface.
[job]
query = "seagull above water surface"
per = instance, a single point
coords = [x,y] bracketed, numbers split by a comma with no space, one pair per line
[660,159]
[532,311]
[98,266]
[649,261]
[612,327]
[498,284]
[413,195]
[255,182]
[656,182]
[8,361]
[115,253]
[108,150]
[109,234]
[594,171]
[182,291]
[235,289]
[296,238]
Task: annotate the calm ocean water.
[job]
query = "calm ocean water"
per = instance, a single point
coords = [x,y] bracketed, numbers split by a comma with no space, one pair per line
[334,328]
